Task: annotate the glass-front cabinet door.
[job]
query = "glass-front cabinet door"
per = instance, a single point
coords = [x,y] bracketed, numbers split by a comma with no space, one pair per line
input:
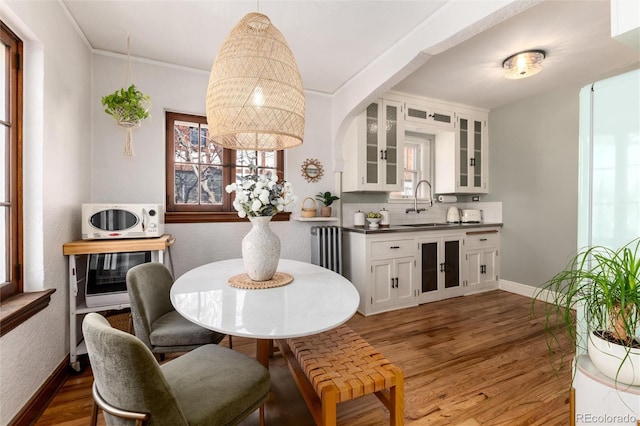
[391,146]
[472,151]
[384,146]
[372,142]
[374,145]
[478,153]
[463,149]
[392,149]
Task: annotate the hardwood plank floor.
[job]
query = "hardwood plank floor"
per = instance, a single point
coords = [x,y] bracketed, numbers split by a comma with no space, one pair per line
[474,360]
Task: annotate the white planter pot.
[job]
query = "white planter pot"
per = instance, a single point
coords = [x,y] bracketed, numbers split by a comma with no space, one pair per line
[260,250]
[615,361]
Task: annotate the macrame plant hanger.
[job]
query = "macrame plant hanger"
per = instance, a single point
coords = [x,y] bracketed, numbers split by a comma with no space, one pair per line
[128,140]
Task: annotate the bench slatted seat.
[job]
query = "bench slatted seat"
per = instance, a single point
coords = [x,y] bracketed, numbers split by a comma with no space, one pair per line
[339,365]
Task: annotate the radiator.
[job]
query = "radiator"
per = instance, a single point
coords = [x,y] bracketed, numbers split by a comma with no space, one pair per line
[326,247]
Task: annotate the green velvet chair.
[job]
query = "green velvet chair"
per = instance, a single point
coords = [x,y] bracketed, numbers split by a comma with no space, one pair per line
[155,320]
[211,385]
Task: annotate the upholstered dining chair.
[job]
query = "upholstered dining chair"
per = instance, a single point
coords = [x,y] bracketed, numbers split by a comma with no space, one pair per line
[211,385]
[155,321]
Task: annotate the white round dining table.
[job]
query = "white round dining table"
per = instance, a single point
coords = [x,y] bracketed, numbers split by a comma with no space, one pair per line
[317,300]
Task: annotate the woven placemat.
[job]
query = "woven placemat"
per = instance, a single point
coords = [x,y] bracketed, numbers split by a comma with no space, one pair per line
[243,281]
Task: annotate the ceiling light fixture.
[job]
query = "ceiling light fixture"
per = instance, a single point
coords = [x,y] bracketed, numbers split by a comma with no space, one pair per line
[255,99]
[523,64]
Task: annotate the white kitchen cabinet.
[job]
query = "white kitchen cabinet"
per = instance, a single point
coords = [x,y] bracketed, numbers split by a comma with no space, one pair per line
[481,260]
[428,115]
[392,282]
[383,269]
[440,272]
[462,163]
[374,147]
[393,270]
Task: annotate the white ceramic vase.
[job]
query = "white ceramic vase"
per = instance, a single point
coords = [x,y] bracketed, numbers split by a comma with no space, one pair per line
[260,250]
[615,361]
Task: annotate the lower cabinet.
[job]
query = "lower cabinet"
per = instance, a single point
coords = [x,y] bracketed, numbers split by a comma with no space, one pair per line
[402,269]
[440,268]
[383,269]
[481,260]
[393,282]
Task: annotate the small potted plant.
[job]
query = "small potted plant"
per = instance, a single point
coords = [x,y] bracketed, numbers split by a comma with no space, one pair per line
[327,199]
[373,218]
[605,284]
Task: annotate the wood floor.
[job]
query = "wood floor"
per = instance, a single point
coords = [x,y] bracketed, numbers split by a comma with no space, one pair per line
[474,360]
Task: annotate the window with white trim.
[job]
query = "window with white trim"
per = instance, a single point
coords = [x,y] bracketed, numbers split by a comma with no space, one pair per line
[418,157]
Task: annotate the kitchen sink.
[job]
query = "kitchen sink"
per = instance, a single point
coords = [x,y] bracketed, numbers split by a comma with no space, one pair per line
[420,225]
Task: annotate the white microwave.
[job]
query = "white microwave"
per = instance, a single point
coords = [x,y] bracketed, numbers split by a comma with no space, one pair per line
[112,221]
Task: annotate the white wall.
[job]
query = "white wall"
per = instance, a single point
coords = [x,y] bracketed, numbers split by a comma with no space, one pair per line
[533,154]
[57,127]
[119,178]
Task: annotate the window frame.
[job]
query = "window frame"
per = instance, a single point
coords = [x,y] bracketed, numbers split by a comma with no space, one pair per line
[14,168]
[16,305]
[198,213]
[425,165]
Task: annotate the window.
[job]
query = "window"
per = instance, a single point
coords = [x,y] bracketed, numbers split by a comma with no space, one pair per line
[198,171]
[417,164]
[412,168]
[11,164]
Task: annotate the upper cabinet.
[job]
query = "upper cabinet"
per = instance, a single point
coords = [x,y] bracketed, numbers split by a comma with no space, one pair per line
[374,145]
[420,115]
[374,148]
[462,165]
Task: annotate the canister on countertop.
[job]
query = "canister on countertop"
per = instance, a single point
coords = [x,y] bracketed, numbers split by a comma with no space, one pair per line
[358,219]
[385,219]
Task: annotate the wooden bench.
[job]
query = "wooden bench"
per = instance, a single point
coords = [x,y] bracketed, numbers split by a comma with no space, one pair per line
[339,365]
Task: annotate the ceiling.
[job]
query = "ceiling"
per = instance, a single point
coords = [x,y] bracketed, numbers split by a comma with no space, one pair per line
[334,40]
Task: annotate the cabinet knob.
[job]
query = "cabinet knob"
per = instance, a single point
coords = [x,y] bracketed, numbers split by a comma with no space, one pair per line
[381,154]
[394,247]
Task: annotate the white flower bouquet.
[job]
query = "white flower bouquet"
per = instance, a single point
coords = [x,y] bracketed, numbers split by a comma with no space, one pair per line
[259,195]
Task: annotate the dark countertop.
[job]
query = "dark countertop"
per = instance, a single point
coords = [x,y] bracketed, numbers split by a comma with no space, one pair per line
[414,228]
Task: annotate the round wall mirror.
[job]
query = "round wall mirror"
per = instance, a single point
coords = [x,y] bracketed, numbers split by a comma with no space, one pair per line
[312,170]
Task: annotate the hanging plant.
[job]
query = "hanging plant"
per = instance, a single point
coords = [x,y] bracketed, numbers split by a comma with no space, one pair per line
[129,107]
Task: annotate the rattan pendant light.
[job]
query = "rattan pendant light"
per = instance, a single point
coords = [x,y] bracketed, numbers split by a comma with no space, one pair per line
[255,99]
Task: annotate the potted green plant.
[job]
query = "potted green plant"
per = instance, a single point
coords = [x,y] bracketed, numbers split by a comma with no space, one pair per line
[326,198]
[605,284]
[127,106]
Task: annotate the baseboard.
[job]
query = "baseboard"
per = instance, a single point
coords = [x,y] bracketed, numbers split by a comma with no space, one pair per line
[40,400]
[483,288]
[527,290]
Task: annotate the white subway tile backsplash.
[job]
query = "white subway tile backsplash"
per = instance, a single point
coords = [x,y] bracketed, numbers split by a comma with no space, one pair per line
[491,211]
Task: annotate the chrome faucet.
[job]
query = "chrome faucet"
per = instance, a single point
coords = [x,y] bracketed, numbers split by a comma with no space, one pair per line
[415,198]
